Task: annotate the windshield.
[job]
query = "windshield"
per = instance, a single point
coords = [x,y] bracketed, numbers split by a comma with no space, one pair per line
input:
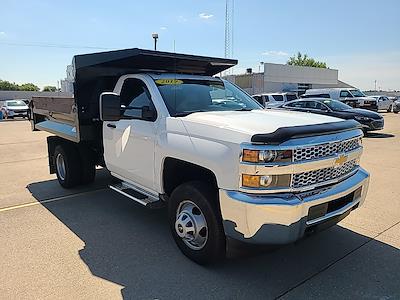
[357,93]
[336,105]
[278,97]
[16,103]
[185,96]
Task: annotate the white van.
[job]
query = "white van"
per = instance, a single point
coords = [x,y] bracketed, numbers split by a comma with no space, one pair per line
[274,99]
[350,96]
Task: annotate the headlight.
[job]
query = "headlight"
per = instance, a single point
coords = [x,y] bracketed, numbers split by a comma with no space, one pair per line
[265,181]
[361,118]
[264,156]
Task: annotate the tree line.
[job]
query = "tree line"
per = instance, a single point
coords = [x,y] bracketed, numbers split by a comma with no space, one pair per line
[12,86]
[305,61]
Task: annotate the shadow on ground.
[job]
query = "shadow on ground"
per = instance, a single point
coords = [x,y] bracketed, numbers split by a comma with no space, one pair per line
[131,246]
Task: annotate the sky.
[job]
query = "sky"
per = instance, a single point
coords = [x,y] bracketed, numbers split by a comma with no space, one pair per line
[359,38]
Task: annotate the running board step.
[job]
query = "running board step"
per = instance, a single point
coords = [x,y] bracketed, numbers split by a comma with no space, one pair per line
[127,190]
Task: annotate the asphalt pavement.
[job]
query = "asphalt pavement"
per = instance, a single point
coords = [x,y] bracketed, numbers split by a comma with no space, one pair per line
[92,243]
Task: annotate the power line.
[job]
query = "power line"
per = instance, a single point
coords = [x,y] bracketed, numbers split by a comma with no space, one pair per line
[59,46]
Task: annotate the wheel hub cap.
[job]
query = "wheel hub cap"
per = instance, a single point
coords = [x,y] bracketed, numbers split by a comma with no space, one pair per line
[191,225]
[60,164]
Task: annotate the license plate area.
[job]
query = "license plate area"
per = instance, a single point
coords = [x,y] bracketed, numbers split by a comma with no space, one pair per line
[323,209]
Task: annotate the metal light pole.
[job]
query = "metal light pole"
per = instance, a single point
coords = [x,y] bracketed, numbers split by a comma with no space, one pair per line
[155,37]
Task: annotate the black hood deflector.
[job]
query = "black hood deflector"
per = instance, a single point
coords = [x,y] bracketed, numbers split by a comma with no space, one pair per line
[286,133]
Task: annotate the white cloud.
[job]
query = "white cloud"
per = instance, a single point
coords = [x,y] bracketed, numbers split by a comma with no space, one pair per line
[182,19]
[163,28]
[2,33]
[205,16]
[275,53]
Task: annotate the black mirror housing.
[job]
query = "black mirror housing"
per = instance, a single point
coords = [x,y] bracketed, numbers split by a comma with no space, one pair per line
[110,107]
[148,113]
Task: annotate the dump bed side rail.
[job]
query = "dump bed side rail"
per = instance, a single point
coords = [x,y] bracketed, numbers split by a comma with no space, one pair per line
[57,115]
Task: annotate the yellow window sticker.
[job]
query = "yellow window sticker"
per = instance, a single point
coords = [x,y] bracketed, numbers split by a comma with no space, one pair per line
[169,81]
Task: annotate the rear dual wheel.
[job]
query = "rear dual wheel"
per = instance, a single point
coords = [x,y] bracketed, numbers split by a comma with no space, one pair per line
[71,168]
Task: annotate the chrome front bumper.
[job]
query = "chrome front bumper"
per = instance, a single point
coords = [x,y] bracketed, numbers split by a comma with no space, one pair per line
[284,218]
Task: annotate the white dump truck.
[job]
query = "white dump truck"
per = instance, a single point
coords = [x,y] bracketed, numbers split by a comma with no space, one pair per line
[175,135]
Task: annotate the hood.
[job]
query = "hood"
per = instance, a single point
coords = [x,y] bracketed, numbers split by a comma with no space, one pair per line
[364,113]
[20,107]
[240,126]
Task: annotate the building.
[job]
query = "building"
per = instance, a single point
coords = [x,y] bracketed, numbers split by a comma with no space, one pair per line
[286,78]
[67,84]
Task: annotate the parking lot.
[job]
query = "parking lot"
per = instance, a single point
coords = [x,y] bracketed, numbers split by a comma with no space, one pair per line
[91,242]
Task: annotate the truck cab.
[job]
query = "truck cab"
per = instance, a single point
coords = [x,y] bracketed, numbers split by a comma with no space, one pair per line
[175,135]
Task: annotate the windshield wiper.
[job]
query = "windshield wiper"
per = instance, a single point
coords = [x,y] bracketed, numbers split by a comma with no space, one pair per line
[244,109]
[186,113]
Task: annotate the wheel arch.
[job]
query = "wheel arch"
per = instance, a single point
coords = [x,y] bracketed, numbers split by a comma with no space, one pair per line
[176,172]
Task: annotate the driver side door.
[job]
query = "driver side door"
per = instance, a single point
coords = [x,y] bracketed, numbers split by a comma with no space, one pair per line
[129,144]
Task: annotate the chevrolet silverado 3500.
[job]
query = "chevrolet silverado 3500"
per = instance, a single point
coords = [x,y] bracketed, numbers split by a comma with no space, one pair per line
[174,134]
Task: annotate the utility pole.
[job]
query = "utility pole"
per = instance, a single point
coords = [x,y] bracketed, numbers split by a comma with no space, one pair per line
[375,84]
[229,9]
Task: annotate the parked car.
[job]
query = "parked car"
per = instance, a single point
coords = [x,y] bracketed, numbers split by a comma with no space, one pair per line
[353,97]
[368,119]
[176,136]
[274,99]
[396,106]
[384,103]
[14,108]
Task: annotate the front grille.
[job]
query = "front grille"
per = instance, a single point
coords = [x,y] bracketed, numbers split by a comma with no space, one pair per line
[325,150]
[323,175]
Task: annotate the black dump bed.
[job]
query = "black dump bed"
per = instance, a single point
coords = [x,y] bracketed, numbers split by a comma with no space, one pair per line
[98,72]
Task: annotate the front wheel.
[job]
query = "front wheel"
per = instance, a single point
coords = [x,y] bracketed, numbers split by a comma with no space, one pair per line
[195,222]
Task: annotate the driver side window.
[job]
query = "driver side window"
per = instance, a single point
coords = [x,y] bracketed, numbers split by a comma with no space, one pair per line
[134,96]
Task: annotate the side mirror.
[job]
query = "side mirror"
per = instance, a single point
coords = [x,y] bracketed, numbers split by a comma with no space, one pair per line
[148,113]
[110,107]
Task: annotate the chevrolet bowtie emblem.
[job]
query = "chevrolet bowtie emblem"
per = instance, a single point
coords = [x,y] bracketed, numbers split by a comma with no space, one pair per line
[340,160]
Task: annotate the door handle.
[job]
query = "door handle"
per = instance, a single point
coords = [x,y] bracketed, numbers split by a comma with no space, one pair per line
[111,125]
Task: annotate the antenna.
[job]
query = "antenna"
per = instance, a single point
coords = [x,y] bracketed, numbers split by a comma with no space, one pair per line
[229,8]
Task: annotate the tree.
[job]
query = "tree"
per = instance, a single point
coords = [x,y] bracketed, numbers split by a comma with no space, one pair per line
[28,87]
[49,88]
[304,60]
[8,86]
[12,86]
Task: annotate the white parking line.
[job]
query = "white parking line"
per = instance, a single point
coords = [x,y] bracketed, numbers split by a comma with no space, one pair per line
[47,201]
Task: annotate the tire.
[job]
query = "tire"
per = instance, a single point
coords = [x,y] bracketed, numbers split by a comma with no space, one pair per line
[396,111]
[199,200]
[68,165]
